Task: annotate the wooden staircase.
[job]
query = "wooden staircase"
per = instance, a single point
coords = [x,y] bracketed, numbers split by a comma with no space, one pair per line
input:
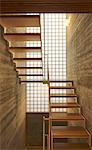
[64,108]
[27,73]
[63,100]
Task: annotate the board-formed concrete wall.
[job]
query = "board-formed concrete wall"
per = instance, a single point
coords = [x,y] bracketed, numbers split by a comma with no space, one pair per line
[79,60]
[12,101]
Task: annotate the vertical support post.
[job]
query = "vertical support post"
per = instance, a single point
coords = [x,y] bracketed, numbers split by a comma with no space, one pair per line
[41,47]
[49,137]
[43,133]
[51,142]
[89,140]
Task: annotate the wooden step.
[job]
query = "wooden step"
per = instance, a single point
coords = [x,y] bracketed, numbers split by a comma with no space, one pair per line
[20,20]
[69,132]
[25,49]
[64,105]
[26,59]
[61,87]
[71,146]
[63,81]
[66,116]
[28,67]
[17,37]
[30,74]
[29,81]
[63,95]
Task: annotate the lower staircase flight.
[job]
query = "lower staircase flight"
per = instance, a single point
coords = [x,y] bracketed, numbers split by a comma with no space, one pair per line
[67,125]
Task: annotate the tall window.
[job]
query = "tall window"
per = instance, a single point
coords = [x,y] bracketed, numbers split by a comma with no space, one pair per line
[53,30]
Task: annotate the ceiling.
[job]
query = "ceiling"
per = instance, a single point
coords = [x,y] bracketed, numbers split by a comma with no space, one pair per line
[27,6]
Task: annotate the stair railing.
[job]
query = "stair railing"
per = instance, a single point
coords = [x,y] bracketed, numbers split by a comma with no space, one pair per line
[45,58]
[46,80]
[46,70]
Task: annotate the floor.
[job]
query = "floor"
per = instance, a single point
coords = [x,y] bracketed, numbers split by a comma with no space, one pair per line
[34,148]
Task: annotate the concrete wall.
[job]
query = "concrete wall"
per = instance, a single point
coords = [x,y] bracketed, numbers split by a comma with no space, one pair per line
[12,102]
[17,54]
[79,60]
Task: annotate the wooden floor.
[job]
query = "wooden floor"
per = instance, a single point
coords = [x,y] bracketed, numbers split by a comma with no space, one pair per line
[34,148]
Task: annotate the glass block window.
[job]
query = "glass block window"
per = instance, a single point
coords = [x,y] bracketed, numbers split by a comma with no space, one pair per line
[37,97]
[53,34]
[55,44]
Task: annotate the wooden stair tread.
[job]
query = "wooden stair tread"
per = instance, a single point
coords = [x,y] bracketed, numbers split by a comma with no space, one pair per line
[21,59]
[61,81]
[28,67]
[64,105]
[61,87]
[71,146]
[25,81]
[24,49]
[22,37]
[66,116]
[30,74]
[69,132]
[63,95]
[20,21]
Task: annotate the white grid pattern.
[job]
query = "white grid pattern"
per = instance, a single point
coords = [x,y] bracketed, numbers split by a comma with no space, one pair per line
[55,47]
[37,97]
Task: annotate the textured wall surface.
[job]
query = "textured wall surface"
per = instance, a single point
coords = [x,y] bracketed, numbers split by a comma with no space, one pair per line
[12,102]
[79,60]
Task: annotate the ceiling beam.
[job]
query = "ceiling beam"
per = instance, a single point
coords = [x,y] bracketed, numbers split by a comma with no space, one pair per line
[29,6]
